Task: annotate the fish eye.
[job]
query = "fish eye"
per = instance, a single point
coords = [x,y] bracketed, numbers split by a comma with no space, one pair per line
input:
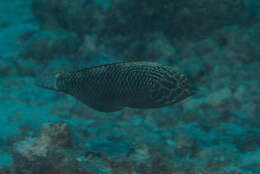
[183,84]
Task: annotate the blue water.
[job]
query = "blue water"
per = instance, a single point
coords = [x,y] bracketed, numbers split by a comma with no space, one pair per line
[216,43]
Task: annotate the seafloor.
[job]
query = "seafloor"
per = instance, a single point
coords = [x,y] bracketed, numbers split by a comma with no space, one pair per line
[216,131]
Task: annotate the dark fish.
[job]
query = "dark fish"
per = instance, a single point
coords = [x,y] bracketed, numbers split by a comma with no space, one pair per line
[111,87]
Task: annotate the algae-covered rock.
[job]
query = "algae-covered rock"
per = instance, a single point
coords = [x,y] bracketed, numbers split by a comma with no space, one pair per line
[127,28]
[176,18]
[160,47]
[45,45]
[218,157]
[219,97]
[5,67]
[241,44]
[248,141]
[186,145]
[46,153]
[55,162]
[78,16]
[30,68]
[52,136]
[4,170]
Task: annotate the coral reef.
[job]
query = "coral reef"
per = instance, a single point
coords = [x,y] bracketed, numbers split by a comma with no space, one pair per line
[45,45]
[126,29]
[4,170]
[45,152]
[216,42]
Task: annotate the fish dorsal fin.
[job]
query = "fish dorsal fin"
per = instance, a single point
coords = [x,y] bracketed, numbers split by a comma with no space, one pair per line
[67,68]
[106,108]
[126,63]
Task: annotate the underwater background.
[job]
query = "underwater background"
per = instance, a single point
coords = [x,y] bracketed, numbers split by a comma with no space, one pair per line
[215,131]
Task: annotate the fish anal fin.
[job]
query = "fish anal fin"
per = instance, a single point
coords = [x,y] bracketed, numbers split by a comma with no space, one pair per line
[102,107]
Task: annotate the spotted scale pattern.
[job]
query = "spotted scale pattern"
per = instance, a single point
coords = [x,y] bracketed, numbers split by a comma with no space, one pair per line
[112,87]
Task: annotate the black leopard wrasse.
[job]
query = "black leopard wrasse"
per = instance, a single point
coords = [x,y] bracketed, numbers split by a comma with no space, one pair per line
[111,87]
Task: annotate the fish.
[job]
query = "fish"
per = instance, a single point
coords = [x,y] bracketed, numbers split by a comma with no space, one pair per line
[112,87]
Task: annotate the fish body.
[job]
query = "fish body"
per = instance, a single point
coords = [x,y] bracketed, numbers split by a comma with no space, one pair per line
[111,87]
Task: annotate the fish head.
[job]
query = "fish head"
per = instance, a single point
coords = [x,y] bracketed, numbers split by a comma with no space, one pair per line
[184,88]
[173,88]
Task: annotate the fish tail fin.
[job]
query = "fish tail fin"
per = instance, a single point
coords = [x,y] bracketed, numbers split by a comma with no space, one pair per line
[48,81]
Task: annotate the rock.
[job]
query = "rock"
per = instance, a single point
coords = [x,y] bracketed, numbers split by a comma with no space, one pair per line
[53,136]
[45,154]
[193,104]
[58,133]
[46,45]
[186,145]
[240,43]
[256,30]
[77,16]
[54,163]
[89,47]
[240,93]
[160,47]
[218,157]
[140,155]
[126,31]
[219,97]
[4,170]
[5,67]
[176,18]
[249,141]
[26,67]
[206,46]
